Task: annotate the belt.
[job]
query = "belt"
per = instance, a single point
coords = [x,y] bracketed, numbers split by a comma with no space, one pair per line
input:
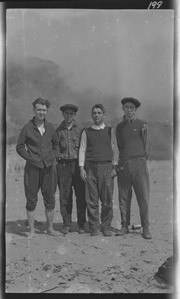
[66,161]
[99,162]
[131,158]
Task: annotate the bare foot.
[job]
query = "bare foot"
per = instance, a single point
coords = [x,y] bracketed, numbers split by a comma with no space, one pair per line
[52,232]
[31,234]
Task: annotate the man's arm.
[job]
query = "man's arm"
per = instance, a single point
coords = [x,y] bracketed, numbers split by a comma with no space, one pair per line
[82,152]
[115,153]
[145,139]
[21,145]
[60,155]
[55,144]
[114,147]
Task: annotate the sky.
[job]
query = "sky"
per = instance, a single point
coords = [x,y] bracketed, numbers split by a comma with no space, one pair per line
[115,53]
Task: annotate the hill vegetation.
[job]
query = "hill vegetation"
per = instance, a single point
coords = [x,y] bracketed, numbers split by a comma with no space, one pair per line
[38,77]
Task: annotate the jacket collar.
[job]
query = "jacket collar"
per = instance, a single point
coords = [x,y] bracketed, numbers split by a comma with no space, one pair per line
[63,126]
[34,123]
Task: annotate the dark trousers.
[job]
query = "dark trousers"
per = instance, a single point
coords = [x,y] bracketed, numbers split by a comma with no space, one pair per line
[39,178]
[69,179]
[99,185]
[134,174]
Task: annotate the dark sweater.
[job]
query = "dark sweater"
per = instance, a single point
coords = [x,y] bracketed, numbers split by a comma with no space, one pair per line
[129,138]
[99,147]
[37,149]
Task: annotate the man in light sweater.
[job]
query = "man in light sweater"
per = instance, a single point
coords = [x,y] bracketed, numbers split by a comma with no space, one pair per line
[132,139]
[98,159]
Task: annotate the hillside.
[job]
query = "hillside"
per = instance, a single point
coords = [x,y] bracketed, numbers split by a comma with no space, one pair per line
[37,77]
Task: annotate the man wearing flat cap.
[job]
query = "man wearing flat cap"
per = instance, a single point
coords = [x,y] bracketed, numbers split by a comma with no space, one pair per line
[69,179]
[132,139]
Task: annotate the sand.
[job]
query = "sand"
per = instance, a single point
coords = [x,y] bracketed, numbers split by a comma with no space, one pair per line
[79,263]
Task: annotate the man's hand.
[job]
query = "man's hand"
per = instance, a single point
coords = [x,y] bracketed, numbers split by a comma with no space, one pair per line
[114,171]
[61,156]
[83,173]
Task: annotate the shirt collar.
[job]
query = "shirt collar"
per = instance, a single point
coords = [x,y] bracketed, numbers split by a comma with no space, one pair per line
[101,127]
[63,126]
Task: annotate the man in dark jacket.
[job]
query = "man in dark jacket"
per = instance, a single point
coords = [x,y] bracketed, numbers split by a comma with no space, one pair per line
[132,139]
[69,133]
[38,145]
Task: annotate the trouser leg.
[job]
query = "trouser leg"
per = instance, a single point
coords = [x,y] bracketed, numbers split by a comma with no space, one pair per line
[65,192]
[105,187]
[79,188]
[125,193]
[141,187]
[92,195]
[48,186]
[31,185]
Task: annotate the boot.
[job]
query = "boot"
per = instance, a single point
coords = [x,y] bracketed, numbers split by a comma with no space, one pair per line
[107,233]
[94,233]
[146,233]
[82,229]
[65,230]
[124,230]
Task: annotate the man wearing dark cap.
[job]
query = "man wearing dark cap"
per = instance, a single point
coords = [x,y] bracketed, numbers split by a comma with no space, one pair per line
[132,139]
[98,159]
[38,145]
[69,133]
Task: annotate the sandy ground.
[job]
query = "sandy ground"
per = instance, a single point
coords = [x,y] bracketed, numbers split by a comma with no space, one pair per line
[80,263]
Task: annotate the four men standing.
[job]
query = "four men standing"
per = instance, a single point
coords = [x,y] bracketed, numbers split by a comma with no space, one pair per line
[87,163]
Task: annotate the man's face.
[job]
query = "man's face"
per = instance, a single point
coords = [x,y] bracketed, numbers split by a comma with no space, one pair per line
[98,116]
[69,116]
[129,110]
[40,112]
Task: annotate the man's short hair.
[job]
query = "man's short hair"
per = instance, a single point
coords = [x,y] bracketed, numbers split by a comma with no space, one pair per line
[100,106]
[41,101]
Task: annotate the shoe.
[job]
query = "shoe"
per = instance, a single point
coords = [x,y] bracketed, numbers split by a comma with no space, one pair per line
[107,233]
[65,230]
[94,233]
[81,230]
[146,233]
[52,232]
[124,230]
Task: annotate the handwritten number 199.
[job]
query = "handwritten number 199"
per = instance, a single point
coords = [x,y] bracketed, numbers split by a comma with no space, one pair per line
[155,4]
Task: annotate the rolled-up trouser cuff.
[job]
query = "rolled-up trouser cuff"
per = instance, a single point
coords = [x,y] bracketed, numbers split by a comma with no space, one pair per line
[50,205]
[31,204]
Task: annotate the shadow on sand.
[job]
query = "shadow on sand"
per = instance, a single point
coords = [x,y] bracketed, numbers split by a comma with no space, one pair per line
[21,228]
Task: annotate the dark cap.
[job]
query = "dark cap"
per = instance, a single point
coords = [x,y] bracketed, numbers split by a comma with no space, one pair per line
[69,107]
[131,100]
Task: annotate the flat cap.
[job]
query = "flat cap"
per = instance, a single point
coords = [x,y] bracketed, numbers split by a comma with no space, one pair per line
[69,107]
[136,102]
